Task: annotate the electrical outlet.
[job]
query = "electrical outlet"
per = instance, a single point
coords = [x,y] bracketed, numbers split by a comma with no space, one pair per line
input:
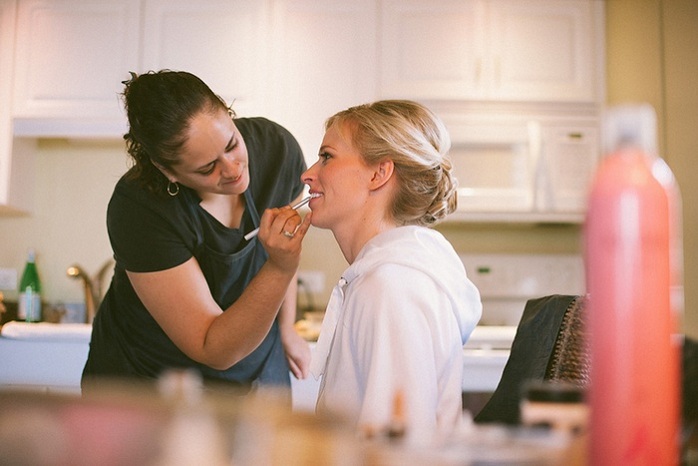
[313,280]
[8,279]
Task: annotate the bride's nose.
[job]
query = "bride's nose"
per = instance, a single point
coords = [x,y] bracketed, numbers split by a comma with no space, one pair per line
[309,174]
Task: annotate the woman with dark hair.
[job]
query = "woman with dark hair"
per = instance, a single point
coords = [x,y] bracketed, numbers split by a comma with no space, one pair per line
[392,338]
[189,291]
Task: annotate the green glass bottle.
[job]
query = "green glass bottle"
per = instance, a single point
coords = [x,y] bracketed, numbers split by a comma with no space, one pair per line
[29,305]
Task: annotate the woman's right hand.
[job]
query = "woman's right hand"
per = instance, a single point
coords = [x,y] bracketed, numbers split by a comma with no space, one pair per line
[180,300]
[281,231]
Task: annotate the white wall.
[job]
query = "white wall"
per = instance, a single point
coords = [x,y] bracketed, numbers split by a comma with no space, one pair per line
[74,181]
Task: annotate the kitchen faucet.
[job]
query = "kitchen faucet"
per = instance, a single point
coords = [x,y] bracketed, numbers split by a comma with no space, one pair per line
[92,287]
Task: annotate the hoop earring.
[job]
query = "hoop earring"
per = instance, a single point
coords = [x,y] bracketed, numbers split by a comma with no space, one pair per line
[172,191]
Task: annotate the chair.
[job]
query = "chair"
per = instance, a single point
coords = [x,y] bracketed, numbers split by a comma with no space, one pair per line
[549,345]
[689,401]
[570,360]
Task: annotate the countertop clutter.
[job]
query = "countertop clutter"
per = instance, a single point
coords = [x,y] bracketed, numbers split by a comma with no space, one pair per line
[132,423]
[176,422]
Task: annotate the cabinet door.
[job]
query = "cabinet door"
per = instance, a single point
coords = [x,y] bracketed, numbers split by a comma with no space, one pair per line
[432,50]
[323,61]
[221,41]
[86,49]
[16,157]
[542,50]
[7,15]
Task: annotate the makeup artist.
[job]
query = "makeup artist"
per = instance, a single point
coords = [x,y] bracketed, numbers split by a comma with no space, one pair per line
[189,291]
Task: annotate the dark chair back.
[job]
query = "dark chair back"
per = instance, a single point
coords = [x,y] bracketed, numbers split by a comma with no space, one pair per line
[549,345]
[570,360]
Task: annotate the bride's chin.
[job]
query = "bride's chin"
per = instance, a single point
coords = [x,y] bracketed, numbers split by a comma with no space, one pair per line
[318,222]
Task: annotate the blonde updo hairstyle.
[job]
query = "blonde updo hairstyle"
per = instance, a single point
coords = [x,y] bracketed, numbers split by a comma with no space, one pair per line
[417,142]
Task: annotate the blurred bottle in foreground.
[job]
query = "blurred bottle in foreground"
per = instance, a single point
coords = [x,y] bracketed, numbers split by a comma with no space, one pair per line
[633,258]
[29,303]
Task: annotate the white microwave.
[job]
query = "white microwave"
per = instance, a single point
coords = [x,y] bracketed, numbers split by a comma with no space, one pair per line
[519,169]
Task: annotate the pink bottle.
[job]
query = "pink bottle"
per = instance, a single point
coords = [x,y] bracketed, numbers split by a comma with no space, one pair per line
[633,266]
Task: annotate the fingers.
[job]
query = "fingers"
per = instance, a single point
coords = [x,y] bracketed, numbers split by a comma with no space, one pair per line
[293,224]
[303,370]
[303,227]
[281,233]
[297,355]
[295,370]
[285,222]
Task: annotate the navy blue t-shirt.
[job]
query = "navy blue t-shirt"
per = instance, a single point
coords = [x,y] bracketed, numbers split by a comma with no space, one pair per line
[151,233]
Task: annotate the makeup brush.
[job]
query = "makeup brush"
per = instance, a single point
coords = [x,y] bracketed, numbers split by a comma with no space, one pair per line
[254,232]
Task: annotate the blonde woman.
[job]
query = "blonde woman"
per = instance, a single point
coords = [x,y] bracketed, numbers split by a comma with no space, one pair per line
[398,318]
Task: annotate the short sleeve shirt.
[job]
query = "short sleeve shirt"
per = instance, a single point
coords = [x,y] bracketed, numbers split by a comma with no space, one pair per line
[151,233]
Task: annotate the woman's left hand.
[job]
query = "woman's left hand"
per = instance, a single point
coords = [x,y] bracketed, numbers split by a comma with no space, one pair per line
[297,352]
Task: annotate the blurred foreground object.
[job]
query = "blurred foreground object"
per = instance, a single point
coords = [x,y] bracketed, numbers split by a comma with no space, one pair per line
[633,267]
[133,424]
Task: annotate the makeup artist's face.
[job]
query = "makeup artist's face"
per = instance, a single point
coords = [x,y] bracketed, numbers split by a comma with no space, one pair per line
[214,157]
[340,180]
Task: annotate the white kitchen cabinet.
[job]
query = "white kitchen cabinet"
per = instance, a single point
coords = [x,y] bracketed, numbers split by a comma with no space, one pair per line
[295,61]
[70,83]
[7,13]
[323,60]
[71,56]
[224,42]
[477,62]
[16,156]
[431,49]
[502,50]
[544,49]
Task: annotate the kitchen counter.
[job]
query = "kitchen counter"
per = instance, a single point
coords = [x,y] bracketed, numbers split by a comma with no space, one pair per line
[50,357]
[43,356]
[42,365]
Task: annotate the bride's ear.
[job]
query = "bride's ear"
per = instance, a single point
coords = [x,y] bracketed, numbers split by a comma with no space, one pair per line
[382,173]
